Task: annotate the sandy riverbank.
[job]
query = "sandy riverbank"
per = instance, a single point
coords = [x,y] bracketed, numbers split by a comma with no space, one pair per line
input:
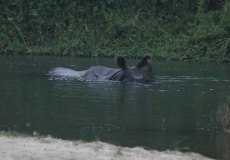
[30,148]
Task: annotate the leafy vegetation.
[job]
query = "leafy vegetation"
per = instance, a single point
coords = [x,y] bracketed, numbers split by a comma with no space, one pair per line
[168,29]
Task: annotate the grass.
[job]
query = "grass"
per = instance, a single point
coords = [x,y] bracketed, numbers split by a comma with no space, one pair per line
[110,28]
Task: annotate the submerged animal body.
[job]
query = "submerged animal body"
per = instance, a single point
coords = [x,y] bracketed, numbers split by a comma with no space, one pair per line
[101,73]
[93,73]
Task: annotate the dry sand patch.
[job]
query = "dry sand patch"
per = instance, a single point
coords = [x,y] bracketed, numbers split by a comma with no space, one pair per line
[31,148]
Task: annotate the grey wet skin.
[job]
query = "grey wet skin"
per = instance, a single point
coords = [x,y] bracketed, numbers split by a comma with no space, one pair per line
[134,73]
[123,73]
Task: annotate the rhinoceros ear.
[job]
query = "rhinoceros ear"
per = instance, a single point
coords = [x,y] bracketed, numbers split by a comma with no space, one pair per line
[147,58]
[145,61]
[121,63]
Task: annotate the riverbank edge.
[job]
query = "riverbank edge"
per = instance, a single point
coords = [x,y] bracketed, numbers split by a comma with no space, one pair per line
[26,147]
[154,57]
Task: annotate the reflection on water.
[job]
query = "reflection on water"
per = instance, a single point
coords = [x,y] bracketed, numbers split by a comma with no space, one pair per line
[175,112]
[223,145]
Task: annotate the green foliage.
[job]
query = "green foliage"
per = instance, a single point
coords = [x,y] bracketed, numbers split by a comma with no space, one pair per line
[167,29]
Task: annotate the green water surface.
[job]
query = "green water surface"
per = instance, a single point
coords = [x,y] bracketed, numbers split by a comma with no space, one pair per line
[175,112]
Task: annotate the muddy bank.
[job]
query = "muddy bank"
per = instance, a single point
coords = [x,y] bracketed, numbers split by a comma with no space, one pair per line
[22,148]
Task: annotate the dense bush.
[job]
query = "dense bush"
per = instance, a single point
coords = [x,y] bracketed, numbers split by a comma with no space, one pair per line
[167,29]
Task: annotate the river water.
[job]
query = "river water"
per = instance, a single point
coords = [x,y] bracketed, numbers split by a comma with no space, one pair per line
[176,112]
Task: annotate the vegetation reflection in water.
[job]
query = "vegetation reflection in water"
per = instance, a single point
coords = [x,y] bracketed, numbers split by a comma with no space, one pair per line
[176,112]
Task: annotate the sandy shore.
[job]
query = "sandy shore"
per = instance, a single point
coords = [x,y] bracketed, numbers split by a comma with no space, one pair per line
[30,148]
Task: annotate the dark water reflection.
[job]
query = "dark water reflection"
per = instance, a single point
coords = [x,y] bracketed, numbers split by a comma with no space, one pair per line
[176,112]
